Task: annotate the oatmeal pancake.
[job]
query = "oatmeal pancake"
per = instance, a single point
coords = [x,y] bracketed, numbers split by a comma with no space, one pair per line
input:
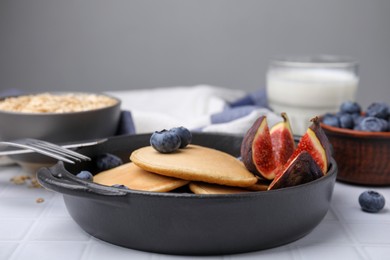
[136,178]
[208,188]
[195,163]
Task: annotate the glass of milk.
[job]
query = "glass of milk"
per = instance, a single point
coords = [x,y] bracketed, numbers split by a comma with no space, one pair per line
[305,87]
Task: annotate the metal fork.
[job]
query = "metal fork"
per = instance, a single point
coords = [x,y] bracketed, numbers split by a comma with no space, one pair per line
[47,148]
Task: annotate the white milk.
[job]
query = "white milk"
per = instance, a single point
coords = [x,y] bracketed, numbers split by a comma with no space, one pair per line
[307,92]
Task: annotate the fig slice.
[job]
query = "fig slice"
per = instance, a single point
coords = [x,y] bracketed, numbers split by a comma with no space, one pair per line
[282,140]
[316,143]
[256,150]
[301,169]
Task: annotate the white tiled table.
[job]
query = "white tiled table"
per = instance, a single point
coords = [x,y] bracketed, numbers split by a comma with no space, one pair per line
[31,230]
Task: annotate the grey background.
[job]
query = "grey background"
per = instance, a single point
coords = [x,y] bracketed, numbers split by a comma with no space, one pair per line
[121,44]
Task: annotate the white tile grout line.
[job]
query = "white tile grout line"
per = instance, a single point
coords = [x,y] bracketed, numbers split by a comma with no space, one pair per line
[22,242]
[293,249]
[88,247]
[36,221]
[356,244]
[297,254]
[11,171]
[49,203]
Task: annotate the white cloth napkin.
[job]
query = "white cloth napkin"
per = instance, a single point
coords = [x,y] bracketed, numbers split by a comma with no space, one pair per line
[199,108]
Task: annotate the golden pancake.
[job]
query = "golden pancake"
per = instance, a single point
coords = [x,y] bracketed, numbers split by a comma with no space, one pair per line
[195,163]
[260,185]
[136,178]
[208,188]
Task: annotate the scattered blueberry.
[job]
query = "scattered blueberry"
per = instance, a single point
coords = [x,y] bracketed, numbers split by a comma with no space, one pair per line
[371,201]
[108,161]
[331,120]
[184,134]
[120,186]
[350,107]
[346,121]
[165,141]
[85,175]
[372,124]
[378,109]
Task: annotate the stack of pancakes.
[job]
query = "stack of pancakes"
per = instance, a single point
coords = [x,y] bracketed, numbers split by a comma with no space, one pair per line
[204,170]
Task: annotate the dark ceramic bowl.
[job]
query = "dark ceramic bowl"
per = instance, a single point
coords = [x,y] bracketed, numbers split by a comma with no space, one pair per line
[58,127]
[184,223]
[362,157]
[61,127]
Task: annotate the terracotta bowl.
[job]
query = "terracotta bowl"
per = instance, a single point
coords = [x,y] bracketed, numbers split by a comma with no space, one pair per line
[362,157]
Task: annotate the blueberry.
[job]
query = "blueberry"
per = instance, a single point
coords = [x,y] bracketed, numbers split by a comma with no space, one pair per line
[372,124]
[120,186]
[350,107]
[385,125]
[346,121]
[357,118]
[371,201]
[378,109]
[165,141]
[85,175]
[331,120]
[108,161]
[184,134]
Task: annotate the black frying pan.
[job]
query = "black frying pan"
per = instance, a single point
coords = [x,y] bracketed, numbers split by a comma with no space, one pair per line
[184,223]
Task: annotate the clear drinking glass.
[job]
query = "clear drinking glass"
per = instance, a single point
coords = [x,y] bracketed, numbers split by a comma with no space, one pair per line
[305,87]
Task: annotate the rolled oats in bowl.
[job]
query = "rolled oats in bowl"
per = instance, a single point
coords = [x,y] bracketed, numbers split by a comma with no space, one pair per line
[56,103]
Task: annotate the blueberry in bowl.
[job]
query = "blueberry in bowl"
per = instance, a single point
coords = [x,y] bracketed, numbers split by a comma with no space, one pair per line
[350,107]
[379,110]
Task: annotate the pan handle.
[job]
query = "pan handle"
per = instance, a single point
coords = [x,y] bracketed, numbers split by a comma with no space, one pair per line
[58,179]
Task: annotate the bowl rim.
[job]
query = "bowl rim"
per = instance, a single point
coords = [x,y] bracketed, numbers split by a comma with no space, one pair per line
[8,112]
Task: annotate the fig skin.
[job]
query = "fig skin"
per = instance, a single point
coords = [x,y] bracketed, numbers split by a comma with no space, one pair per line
[282,140]
[300,170]
[256,150]
[317,129]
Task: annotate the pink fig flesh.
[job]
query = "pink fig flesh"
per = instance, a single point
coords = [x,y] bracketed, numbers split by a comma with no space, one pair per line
[256,150]
[316,143]
[282,139]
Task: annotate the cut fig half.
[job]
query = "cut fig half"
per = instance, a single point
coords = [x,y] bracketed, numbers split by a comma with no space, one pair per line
[282,139]
[256,150]
[301,169]
[316,143]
